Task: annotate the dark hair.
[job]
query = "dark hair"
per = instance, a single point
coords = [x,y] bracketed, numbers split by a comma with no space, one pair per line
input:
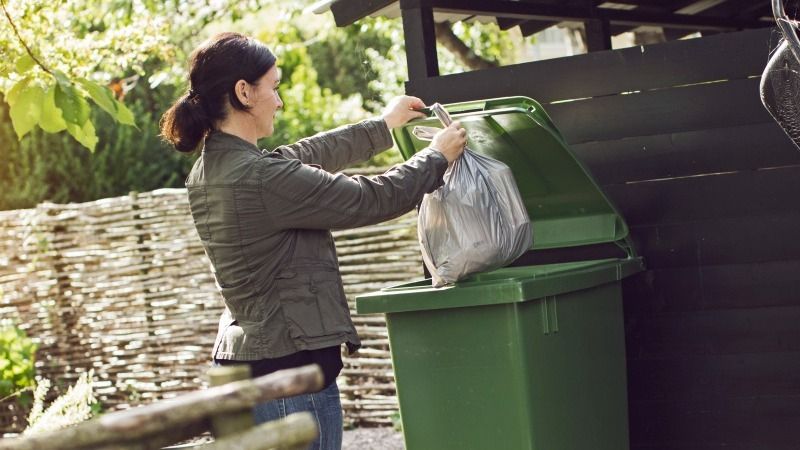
[215,67]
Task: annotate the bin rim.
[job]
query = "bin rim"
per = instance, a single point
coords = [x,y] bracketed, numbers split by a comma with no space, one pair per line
[501,286]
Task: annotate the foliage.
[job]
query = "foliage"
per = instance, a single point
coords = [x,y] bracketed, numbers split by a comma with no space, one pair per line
[486,40]
[54,94]
[17,353]
[138,49]
[342,55]
[45,166]
[344,75]
[76,405]
[62,54]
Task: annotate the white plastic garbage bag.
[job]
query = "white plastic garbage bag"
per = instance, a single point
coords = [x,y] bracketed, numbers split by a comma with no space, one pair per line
[476,221]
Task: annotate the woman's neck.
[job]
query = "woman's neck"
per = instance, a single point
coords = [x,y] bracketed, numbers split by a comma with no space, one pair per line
[239,128]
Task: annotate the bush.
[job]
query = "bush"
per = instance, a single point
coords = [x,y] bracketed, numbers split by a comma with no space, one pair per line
[17,353]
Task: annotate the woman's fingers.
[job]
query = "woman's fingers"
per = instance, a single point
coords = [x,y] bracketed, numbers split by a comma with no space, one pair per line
[415,102]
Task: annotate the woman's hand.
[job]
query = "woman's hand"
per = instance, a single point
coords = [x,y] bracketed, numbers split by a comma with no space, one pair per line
[450,141]
[402,109]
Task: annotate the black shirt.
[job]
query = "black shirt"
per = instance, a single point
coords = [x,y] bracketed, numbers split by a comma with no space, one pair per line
[329,359]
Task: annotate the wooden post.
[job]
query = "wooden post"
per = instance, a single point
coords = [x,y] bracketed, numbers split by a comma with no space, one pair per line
[233,422]
[420,38]
[598,35]
[597,29]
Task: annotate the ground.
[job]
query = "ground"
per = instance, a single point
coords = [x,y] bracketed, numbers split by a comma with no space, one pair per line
[372,439]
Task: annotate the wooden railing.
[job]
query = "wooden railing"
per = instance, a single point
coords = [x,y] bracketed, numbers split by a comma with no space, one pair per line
[226,410]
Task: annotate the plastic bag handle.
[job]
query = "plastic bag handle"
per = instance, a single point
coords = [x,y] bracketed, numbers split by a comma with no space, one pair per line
[440,113]
[787,28]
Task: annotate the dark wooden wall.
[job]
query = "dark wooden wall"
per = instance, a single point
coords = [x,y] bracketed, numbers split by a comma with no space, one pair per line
[710,186]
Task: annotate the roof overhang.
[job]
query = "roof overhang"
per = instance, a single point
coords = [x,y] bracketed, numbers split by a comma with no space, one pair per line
[692,15]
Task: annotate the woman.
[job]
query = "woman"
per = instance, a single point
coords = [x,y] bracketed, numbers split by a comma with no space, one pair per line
[264,217]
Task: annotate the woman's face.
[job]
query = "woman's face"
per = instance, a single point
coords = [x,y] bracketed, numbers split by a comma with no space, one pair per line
[266,102]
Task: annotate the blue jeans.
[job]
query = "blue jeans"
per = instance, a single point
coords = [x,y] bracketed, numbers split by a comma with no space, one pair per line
[324,405]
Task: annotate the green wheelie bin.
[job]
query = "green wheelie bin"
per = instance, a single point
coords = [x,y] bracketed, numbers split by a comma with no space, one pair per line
[524,357]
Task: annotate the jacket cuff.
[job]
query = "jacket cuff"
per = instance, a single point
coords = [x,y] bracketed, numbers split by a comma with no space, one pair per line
[440,163]
[379,134]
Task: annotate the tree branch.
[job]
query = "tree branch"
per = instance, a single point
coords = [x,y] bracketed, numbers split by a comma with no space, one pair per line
[19,392]
[22,41]
[457,47]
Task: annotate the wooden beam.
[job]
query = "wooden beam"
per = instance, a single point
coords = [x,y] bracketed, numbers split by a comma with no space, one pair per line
[719,286]
[719,208]
[598,35]
[738,9]
[660,111]
[345,12]
[504,23]
[658,7]
[656,3]
[548,12]
[730,9]
[689,153]
[420,39]
[727,56]
[530,27]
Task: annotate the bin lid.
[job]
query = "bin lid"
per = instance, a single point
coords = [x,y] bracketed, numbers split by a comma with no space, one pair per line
[566,206]
[506,285]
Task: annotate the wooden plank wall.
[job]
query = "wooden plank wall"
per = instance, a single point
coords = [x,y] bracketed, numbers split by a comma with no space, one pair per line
[710,185]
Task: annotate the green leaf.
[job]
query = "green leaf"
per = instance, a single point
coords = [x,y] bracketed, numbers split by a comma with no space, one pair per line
[124,115]
[102,96]
[13,93]
[27,109]
[25,63]
[62,78]
[72,104]
[52,120]
[86,134]
[6,386]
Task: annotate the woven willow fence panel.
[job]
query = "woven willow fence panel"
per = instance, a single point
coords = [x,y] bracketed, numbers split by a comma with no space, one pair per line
[122,286]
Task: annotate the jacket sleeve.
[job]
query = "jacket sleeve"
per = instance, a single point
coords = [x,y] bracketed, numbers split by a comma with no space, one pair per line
[296,195]
[341,147]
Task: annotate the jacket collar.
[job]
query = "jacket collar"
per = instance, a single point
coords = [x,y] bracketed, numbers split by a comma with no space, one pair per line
[219,141]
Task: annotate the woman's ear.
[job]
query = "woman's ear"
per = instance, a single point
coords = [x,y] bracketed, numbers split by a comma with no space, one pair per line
[243,92]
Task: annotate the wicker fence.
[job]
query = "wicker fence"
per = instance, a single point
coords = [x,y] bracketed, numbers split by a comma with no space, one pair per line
[122,285]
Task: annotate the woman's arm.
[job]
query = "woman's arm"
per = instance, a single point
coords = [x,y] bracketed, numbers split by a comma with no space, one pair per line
[352,144]
[339,148]
[296,195]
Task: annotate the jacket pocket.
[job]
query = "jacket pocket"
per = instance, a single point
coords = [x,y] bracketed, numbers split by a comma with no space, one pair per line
[312,302]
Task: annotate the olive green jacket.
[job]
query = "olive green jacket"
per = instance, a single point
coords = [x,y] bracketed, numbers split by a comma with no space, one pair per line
[264,220]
